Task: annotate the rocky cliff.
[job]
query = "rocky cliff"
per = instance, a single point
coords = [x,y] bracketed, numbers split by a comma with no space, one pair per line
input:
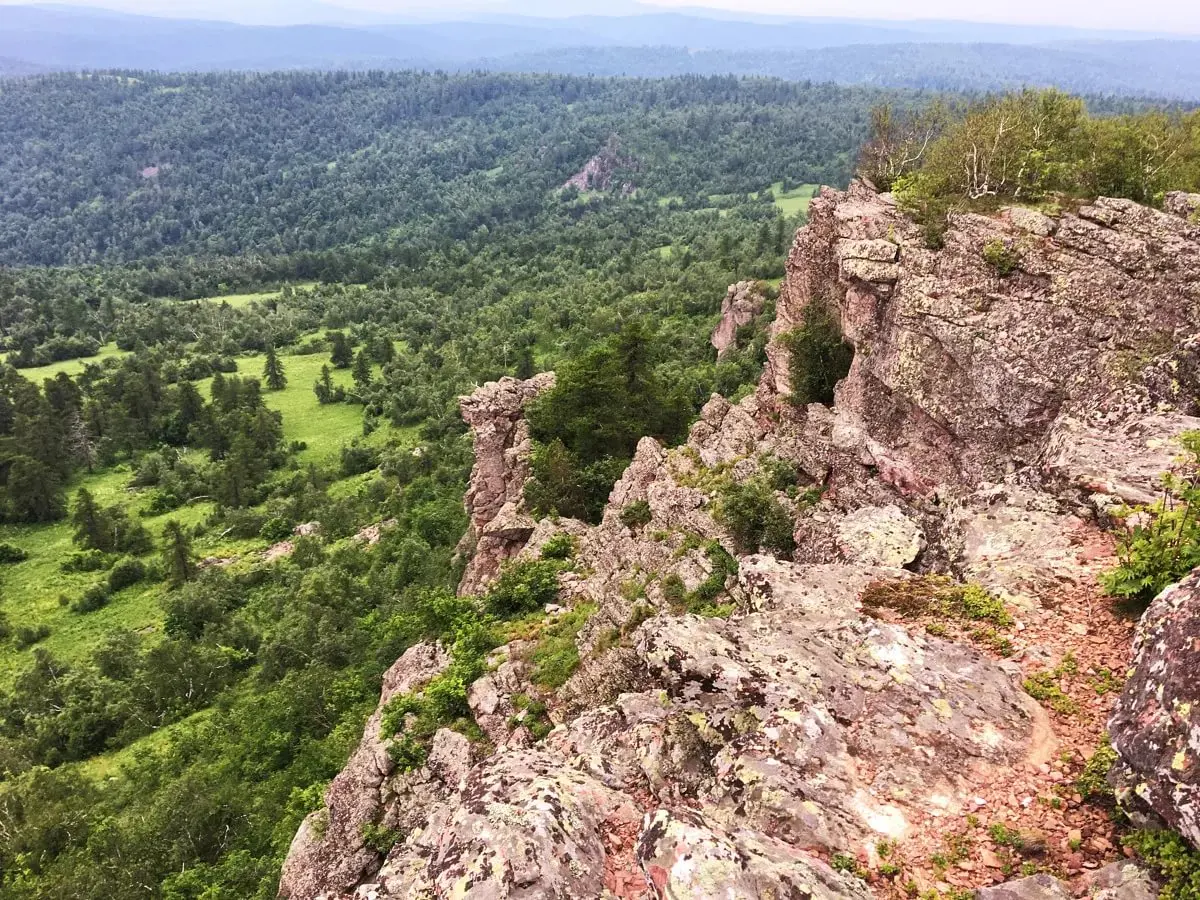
[859,719]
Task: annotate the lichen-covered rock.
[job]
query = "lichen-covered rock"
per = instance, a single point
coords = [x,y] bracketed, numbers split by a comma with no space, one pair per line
[1116,881]
[523,826]
[1016,541]
[1035,887]
[1182,204]
[808,686]
[1155,727]
[959,373]
[742,303]
[328,855]
[1123,881]
[495,495]
[1125,463]
[684,856]
[880,536]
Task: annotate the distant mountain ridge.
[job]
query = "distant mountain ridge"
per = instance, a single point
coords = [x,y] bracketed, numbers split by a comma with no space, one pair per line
[930,55]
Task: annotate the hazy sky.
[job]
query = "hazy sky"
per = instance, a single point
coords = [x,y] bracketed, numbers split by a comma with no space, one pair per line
[1144,15]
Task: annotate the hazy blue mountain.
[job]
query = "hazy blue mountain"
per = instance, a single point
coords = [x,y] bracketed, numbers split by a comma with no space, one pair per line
[934,55]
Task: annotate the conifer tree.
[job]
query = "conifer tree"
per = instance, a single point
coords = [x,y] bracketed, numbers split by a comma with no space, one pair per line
[340,353]
[273,371]
[324,386]
[361,373]
[93,530]
[177,553]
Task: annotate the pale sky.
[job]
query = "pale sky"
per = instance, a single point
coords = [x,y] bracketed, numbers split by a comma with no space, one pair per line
[1145,15]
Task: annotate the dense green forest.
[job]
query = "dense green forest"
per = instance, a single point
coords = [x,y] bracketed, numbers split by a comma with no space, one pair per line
[116,168]
[181,670]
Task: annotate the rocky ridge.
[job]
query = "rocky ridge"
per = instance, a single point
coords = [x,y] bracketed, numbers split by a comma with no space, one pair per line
[990,428]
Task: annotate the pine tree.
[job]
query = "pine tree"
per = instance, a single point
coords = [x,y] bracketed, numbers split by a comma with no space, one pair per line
[361,373]
[324,387]
[93,529]
[177,553]
[383,351]
[273,371]
[340,353]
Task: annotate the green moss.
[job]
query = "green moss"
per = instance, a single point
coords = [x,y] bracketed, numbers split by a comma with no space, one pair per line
[1093,781]
[1044,687]
[936,595]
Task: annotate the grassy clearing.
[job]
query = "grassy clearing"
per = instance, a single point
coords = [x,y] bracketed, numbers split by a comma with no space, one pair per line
[30,590]
[325,429]
[241,301]
[72,367]
[794,201]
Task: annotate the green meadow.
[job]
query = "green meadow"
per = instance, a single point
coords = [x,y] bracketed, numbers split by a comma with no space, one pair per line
[36,591]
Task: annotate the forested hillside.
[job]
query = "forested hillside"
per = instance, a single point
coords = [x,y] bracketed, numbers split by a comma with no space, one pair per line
[122,167]
[186,660]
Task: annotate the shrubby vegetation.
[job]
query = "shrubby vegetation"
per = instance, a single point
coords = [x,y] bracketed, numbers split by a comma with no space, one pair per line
[1036,146]
[818,357]
[1165,546]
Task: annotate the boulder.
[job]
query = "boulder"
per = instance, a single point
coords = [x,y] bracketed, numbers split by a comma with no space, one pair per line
[685,856]
[880,536]
[1155,727]
[524,825]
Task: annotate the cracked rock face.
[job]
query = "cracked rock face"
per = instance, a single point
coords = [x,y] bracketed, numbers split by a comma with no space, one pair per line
[959,371]
[495,495]
[742,303]
[1156,724]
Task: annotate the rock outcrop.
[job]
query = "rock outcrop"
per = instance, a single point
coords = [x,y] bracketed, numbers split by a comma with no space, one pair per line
[1156,725]
[960,371]
[499,526]
[329,855]
[742,304]
[599,173]
[731,730]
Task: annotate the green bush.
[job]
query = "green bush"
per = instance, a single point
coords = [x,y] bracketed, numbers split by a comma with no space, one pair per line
[1001,257]
[11,553]
[1170,856]
[126,572]
[755,518]
[818,357]
[275,529]
[560,546]
[85,561]
[636,514]
[28,635]
[1155,555]
[94,598]
[556,655]
[524,587]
